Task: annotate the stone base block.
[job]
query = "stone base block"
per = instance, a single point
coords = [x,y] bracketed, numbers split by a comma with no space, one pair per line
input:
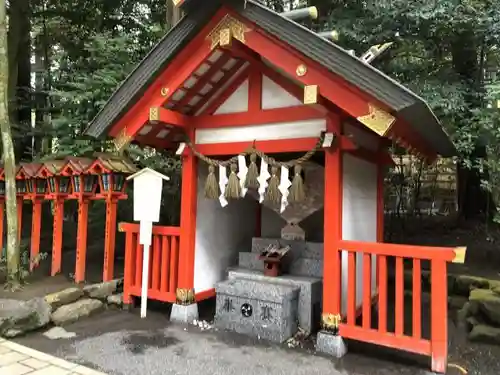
[184,313]
[330,344]
[259,309]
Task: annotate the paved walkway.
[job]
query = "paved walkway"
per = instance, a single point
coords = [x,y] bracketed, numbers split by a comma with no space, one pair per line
[17,359]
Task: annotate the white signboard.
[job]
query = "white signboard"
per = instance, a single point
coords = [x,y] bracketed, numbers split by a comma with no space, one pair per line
[148,185]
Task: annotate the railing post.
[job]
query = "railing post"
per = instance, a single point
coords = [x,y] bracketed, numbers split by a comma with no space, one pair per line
[129,269]
[439,316]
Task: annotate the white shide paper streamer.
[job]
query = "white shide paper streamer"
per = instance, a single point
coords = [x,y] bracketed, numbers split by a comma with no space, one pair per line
[263,177]
[283,187]
[242,173]
[223,180]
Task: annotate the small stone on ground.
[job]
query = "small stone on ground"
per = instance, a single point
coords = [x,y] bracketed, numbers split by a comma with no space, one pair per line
[56,333]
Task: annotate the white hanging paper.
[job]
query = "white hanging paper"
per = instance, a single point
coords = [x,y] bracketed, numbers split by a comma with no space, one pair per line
[242,173]
[283,187]
[263,177]
[223,180]
[180,149]
[328,140]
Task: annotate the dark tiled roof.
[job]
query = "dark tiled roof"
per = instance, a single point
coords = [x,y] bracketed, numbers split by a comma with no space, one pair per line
[116,163]
[408,106]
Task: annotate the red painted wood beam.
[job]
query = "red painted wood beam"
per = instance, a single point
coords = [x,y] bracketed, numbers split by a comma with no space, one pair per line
[223,96]
[193,91]
[170,79]
[259,117]
[170,117]
[254,90]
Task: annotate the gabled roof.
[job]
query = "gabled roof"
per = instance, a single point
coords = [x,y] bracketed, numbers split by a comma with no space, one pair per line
[406,104]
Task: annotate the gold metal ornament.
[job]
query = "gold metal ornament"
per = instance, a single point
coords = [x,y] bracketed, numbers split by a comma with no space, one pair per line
[460,255]
[227,29]
[176,2]
[154,114]
[122,140]
[311,94]
[184,296]
[377,120]
[301,70]
[331,322]
[164,91]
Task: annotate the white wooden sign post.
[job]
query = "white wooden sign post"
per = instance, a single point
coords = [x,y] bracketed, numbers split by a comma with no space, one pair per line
[148,185]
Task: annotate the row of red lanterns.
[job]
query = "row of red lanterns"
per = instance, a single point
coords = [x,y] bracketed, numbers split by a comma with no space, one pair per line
[72,178]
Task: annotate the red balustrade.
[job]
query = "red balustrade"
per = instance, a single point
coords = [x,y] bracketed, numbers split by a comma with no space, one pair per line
[163,266]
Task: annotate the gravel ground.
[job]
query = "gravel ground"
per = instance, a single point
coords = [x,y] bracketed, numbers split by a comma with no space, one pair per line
[120,343]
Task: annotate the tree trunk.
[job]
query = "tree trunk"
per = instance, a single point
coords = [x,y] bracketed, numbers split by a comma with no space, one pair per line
[13,256]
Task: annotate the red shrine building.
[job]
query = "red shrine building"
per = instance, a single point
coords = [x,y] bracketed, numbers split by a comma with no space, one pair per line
[236,88]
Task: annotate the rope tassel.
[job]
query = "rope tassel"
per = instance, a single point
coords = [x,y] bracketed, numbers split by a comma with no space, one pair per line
[273,193]
[211,184]
[233,188]
[297,193]
[251,181]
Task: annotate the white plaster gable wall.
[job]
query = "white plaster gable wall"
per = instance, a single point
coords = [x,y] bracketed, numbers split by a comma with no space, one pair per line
[359,218]
[221,233]
[237,102]
[274,96]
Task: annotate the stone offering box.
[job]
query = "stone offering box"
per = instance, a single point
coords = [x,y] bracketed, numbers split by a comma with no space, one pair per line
[263,310]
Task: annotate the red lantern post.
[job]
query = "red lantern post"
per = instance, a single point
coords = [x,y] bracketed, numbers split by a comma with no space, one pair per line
[112,172]
[84,188]
[36,188]
[59,190]
[2,206]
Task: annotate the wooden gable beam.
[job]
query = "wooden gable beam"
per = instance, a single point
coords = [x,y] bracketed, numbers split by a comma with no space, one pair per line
[164,86]
[167,116]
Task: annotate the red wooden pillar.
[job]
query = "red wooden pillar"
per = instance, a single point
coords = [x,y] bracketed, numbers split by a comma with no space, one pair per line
[57,236]
[188,220]
[332,229]
[81,240]
[2,215]
[20,202]
[109,239]
[36,224]
[439,313]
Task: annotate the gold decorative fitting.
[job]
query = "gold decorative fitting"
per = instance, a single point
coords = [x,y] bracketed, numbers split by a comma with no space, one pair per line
[331,322]
[377,120]
[122,140]
[301,70]
[154,114]
[335,35]
[226,29]
[313,12]
[184,296]
[459,255]
[176,2]
[311,94]
[164,91]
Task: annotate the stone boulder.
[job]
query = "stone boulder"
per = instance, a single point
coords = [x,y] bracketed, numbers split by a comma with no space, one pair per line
[115,300]
[103,290]
[19,317]
[464,284]
[80,309]
[64,297]
[485,333]
[487,302]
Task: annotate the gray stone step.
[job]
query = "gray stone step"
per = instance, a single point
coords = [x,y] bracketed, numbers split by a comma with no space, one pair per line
[299,249]
[299,267]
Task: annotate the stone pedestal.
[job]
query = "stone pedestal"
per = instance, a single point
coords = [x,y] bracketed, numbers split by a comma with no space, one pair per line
[310,294]
[263,310]
[330,344]
[184,313]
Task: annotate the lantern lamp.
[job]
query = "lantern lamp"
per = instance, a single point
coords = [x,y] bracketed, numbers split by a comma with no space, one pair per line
[21,186]
[83,183]
[41,186]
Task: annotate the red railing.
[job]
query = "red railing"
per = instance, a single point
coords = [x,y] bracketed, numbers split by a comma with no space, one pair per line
[376,330]
[163,266]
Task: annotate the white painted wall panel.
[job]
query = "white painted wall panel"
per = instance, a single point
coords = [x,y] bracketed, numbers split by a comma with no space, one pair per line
[221,233]
[276,131]
[359,217]
[237,102]
[274,96]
